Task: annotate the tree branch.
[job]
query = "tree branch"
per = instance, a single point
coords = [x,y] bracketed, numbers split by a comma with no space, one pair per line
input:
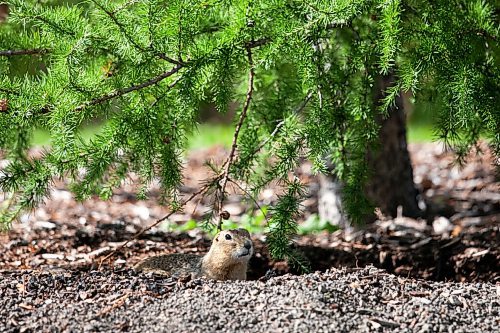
[11,53]
[281,123]
[230,159]
[256,43]
[121,92]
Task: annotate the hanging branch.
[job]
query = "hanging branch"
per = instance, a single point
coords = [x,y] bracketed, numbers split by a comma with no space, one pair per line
[271,136]
[230,158]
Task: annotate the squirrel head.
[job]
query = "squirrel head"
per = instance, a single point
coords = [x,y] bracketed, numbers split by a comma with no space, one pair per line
[234,245]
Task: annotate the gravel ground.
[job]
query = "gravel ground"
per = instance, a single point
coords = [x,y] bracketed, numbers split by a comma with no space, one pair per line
[361,300]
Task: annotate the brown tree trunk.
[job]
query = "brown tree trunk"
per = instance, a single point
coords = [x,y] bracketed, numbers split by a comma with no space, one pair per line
[4,12]
[392,182]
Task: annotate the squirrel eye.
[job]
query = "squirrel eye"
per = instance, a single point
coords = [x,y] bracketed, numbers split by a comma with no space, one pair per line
[228,237]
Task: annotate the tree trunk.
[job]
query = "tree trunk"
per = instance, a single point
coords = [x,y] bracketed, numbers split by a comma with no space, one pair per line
[391,184]
[4,12]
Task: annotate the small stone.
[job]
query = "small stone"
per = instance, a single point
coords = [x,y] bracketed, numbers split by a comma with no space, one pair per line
[374,325]
[142,212]
[422,300]
[425,328]
[454,300]
[120,262]
[442,225]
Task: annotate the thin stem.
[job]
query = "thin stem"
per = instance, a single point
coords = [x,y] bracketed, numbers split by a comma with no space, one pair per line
[230,159]
[258,42]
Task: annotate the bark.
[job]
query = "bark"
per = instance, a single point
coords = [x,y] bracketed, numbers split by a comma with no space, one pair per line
[4,12]
[391,184]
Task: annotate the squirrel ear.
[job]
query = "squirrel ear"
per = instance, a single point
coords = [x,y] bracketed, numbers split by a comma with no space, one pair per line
[244,232]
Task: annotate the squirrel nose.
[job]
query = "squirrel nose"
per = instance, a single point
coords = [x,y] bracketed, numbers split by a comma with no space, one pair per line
[248,245]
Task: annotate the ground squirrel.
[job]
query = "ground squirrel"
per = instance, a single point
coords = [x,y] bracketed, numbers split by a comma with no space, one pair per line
[227,259]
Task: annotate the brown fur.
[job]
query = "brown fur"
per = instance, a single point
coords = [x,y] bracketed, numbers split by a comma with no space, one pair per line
[227,259]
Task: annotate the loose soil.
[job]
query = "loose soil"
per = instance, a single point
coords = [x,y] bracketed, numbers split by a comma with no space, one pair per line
[347,300]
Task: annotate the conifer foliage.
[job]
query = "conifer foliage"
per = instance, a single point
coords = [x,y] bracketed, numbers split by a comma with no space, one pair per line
[302,72]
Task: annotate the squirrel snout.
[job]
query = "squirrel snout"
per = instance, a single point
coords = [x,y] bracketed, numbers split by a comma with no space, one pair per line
[248,245]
